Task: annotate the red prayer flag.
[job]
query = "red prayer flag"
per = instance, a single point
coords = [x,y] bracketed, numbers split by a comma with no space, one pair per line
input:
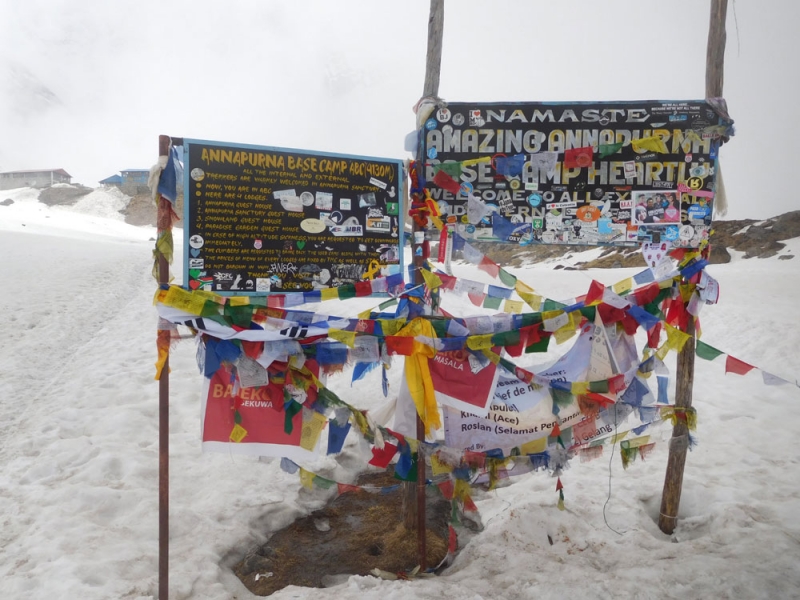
[595,292]
[734,365]
[252,349]
[444,181]
[399,345]
[577,158]
[476,299]
[448,281]
[447,489]
[559,485]
[654,335]
[344,488]
[363,288]
[381,458]
[610,314]
[489,266]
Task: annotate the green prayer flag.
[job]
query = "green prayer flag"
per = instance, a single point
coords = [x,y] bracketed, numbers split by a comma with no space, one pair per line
[609,149]
[706,352]
[507,278]
[561,398]
[506,338]
[291,409]
[347,291]
[550,305]
[241,316]
[599,387]
[540,346]
[387,304]
[589,312]
[492,302]
[451,168]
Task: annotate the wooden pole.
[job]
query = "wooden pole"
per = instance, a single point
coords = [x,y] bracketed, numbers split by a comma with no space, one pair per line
[679,444]
[433,63]
[163,418]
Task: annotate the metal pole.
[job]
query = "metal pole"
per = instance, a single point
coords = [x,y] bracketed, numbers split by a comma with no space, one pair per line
[163,419]
[679,444]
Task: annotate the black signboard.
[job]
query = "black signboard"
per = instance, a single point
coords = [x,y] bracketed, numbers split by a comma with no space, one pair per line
[617,173]
[261,219]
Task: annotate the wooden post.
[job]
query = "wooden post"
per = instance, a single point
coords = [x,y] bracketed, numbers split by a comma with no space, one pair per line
[679,444]
[415,511]
[163,417]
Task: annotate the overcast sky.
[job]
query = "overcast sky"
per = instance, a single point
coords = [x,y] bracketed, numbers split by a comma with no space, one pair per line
[89,85]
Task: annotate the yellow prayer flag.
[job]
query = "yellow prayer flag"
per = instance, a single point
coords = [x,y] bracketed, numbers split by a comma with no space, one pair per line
[636,442]
[474,161]
[534,447]
[238,300]
[623,286]
[438,467]
[186,301]
[513,307]
[365,314]
[329,293]
[523,288]
[238,433]
[620,436]
[551,314]
[494,358]
[676,338]
[312,428]
[432,280]
[348,338]
[479,342]
[579,388]
[653,144]
[564,333]
[391,326]
[307,479]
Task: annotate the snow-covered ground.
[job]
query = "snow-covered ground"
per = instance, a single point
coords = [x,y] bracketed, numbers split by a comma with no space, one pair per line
[79,448]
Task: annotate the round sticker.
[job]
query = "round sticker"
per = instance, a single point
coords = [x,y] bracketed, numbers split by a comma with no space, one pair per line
[312,225]
[258,244]
[447,129]
[464,219]
[514,184]
[430,124]
[688,158]
[583,158]
[458,120]
[671,233]
[598,192]
[465,189]
[198,174]
[432,153]
[470,229]
[695,183]
[307,198]
[196,241]
[548,237]
[443,114]
[588,214]
[687,232]
[535,199]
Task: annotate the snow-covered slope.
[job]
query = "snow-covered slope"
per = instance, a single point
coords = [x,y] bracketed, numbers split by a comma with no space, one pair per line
[79,465]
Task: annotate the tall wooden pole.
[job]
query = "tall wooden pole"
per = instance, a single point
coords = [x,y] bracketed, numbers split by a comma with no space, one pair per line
[163,415]
[433,64]
[679,444]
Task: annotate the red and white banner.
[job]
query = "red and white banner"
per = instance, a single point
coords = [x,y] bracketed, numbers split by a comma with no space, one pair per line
[460,380]
[262,417]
